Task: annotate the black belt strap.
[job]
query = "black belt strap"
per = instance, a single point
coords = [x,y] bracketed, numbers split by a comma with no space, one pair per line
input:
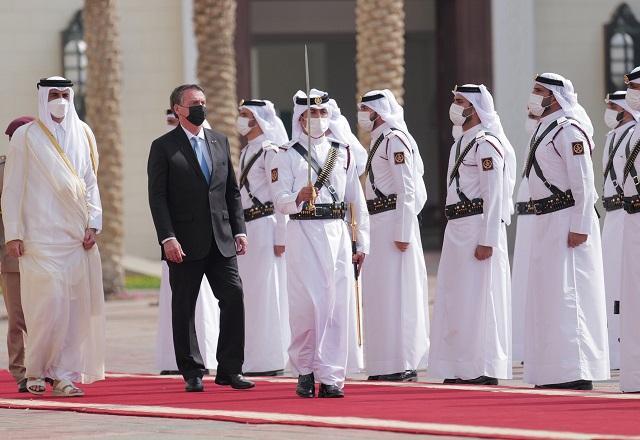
[369,170]
[535,143]
[244,173]
[609,169]
[629,166]
[455,171]
[323,174]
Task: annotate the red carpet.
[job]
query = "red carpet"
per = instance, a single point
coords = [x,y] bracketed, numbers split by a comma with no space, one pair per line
[488,412]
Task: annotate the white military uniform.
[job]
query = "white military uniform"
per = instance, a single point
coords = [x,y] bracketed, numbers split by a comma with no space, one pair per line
[629,297]
[263,274]
[470,334]
[565,321]
[320,278]
[615,143]
[395,296]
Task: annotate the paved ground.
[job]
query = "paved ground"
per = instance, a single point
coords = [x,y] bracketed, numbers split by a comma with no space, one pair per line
[131,327]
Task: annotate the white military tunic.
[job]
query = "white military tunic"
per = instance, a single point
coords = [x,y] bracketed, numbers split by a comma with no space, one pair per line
[263,274]
[612,236]
[520,271]
[320,279]
[471,330]
[395,296]
[630,295]
[565,321]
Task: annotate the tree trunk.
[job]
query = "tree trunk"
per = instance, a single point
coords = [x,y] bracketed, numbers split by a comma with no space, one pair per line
[215,26]
[103,115]
[380,47]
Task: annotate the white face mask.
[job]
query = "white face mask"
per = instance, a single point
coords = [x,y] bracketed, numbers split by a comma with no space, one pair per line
[364,121]
[456,114]
[457,131]
[530,125]
[318,127]
[242,125]
[612,118]
[58,107]
[633,98]
[535,104]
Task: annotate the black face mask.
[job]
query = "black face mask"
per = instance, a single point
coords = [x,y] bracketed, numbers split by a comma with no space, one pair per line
[197,113]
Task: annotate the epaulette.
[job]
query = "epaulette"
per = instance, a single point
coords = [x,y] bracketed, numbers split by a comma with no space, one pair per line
[288,145]
[269,146]
[481,135]
[332,140]
[563,120]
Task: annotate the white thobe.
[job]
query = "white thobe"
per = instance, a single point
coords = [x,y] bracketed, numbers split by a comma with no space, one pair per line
[320,278]
[612,236]
[207,320]
[266,336]
[520,272]
[395,295]
[565,321]
[48,203]
[471,329]
[629,295]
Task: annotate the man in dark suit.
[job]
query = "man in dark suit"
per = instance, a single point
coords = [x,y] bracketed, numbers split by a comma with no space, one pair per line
[198,216]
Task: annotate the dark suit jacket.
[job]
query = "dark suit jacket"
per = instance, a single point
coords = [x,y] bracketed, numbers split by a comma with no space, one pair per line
[183,205]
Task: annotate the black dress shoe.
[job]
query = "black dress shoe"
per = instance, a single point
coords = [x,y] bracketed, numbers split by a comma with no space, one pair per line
[403,376]
[193,385]
[169,372]
[22,386]
[330,391]
[373,378]
[450,381]
[306,385]
[410,376]
[236,381]
[264,373]
[480,380]
[583,385]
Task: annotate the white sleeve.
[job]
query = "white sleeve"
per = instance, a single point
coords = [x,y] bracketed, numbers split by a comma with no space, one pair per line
[282,180]
[353,194]
[577,158]
[400,164]
[491,175]
[281,219]
[93,192]
[13,187]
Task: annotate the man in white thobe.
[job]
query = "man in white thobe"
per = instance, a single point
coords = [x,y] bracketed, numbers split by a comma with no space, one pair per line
[207,318]
[52,213]
[621,119]
[565,343]
[521,250]
[320,275]
[395,298]
[629,297]
[471,330]
[262,268]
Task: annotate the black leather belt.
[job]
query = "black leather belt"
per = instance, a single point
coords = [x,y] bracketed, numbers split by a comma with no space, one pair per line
[631,204]
[525,208]
[257,211]
[612,203]
[556,202]
[463,209]
[323,211]
[382,204]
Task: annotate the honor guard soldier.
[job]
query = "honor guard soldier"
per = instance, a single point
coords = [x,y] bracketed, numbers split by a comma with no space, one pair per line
[320,276]
[471,331]
[395,298]
[262,269]
[565,318]
[621,119]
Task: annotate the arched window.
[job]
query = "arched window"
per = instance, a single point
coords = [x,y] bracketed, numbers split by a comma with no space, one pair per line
[74,59]
[622,47]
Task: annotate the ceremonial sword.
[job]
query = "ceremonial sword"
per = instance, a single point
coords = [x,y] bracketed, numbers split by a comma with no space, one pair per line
[356,272]
[311,204]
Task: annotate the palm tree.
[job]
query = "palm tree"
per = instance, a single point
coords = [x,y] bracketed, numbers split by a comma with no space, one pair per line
[215,26]
[380,46]
[103,115]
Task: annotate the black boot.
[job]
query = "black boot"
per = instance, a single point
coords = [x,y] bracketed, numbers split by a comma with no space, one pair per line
[480,380]
[306,386]
[583,385]
[330,391]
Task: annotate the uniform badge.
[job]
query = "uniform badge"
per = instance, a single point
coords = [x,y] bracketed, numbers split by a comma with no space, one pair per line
[398,158]
[487,164]
[274,175]
[578,148]
[318,100]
